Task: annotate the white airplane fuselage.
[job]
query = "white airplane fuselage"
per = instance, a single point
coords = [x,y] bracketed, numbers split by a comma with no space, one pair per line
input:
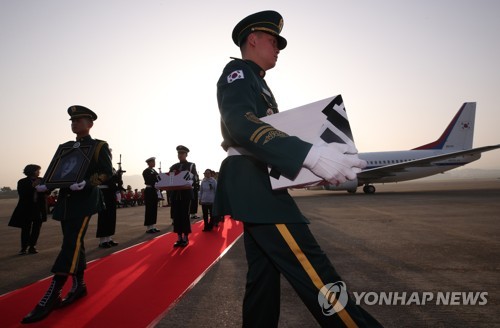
[379,159]
[451,150]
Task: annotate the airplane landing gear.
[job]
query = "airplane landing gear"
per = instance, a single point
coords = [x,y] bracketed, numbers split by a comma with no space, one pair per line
[369,189]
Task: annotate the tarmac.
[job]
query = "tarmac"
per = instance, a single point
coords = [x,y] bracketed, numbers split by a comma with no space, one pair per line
[415,240]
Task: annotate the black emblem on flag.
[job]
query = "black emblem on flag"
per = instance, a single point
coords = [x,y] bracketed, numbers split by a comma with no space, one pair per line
[337,120]
[275,173]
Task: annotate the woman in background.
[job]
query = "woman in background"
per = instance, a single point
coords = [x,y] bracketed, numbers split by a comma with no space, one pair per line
[31,209]
[207,195]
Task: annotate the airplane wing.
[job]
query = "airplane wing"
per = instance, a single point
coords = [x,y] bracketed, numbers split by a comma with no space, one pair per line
[390,170]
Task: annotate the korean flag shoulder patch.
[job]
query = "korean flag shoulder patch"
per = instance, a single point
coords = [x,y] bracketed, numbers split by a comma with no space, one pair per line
[236,75]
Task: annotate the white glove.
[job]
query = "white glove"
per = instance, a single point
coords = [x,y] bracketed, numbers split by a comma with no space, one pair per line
[78,186]
[41,188]
[335,163]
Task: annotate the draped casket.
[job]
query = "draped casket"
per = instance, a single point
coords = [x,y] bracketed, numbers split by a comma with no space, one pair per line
[175,180]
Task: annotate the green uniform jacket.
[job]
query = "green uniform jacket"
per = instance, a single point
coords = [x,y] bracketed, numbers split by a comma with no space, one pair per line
[89,200]
[243,188]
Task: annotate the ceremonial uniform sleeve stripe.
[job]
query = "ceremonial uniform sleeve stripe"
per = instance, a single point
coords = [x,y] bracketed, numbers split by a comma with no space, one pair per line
[260,132]
[311,272]
[78,245]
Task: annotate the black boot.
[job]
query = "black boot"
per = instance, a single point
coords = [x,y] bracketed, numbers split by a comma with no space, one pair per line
[50,301]
[179,241]
[78,290]
[185,241]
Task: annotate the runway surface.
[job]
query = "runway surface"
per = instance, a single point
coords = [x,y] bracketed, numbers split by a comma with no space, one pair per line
[422,238]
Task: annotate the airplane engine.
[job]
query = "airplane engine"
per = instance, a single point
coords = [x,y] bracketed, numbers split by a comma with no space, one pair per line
[351,186]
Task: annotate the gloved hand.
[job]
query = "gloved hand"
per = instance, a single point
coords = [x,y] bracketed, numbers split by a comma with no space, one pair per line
[335,163]
[78,186]
[41,188]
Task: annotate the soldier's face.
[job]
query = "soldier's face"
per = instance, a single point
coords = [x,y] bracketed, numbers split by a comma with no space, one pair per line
[81,126]
[267,50]
[181,156]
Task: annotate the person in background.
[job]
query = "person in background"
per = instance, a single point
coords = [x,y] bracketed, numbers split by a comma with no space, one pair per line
[150,196]
[207,195]
[31,209]
[52,200]
[276,234]
[106,219]
[181,199]
[193,208]
[75,206]
[216,219]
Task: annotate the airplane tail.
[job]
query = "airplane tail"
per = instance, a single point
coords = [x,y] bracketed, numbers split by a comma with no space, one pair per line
[459,133]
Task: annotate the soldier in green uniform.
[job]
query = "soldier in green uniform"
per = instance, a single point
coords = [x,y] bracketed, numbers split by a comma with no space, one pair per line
[276,235]
[180,199]
[76,204]
[150,196]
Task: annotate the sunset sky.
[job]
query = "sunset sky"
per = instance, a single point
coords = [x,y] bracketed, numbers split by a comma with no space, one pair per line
[149,70]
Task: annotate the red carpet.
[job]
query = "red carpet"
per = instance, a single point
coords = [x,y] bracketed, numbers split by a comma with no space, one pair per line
[131,288]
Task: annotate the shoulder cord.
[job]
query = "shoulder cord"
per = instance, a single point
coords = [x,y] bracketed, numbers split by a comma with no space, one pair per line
[98,150]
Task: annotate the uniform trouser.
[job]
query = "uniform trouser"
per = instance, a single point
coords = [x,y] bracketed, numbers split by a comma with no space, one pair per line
[30,233]
[193,207]
[106,219]
[180,214]
[151,204]
[291,250]
[207,213]
[71,259]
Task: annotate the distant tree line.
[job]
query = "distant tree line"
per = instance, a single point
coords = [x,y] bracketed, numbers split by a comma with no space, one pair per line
[7,192]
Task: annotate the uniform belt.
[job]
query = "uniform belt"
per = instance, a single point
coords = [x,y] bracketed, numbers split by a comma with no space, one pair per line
[235,151]
[102,187]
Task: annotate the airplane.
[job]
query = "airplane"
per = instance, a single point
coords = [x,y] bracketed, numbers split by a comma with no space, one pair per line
[453,149]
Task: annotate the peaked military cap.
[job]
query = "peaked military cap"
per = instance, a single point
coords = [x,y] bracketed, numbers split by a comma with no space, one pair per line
[268,21]
[182,149]
[77,111]
[150,159]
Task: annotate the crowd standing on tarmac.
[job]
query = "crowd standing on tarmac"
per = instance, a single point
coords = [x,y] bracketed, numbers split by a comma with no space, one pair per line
[31,209]
[76,204]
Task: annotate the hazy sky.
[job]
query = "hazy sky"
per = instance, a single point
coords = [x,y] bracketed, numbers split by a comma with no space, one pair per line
[149,69]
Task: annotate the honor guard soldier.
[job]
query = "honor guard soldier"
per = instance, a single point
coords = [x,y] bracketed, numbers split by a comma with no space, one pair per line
[150,196]
[106,219]
[180,200]
[276,234]
[75,205]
